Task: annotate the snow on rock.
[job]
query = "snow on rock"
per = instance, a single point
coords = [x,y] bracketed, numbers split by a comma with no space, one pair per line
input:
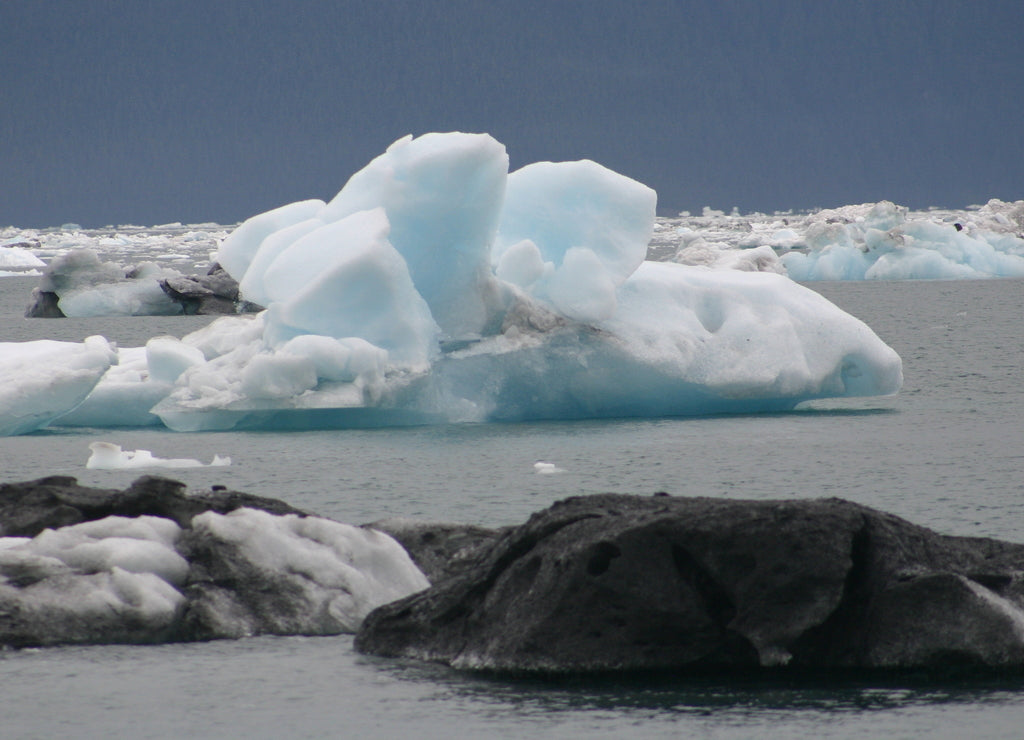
[198,576]
[256,573]
[44,379]
[111,580]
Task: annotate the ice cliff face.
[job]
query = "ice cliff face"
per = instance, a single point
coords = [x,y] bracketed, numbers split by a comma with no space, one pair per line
[437,287]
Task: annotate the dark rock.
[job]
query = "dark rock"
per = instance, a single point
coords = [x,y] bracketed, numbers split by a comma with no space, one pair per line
[44,305]
[210,294]
[616,582]
[440,550]
[26,509]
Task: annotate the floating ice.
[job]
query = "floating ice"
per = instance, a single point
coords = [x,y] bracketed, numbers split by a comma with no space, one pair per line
[856,242]
[87,286]
[573,232]
[44,379]
[436,287]
[109,456]
[545,468]
[756,259]
[18,260]
[238,250]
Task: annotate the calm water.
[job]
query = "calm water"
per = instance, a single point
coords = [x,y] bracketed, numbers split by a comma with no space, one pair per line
[948,452]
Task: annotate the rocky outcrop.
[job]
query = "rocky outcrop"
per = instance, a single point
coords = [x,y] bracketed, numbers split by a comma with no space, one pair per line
[596,583]
[616,582]
[44,304]
[441,550]
[27,508]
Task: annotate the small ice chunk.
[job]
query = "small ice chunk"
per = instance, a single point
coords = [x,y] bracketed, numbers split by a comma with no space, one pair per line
[545,468]
[16,257]
[109,456]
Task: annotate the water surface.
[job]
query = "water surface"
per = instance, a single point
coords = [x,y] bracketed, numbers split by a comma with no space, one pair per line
[947,452]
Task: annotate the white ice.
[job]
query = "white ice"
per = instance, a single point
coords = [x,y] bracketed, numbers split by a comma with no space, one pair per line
[109,580]
[878,242]
[546,468]
[42,380]
[871,241]
[109,456]
[18,262]
[123,579]
[140,380]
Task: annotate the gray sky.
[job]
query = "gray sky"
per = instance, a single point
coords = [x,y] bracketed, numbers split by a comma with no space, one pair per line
[150,111]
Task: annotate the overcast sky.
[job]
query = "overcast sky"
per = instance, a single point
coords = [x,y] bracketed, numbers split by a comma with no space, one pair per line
[151,111]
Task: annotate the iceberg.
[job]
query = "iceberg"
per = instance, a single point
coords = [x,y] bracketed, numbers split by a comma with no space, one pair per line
[88,286]
[438,287]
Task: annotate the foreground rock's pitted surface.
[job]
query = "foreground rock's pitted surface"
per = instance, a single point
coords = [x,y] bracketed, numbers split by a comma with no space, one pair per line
[615,582]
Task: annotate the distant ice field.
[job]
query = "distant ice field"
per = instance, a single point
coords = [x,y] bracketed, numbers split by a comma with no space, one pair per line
[989,242]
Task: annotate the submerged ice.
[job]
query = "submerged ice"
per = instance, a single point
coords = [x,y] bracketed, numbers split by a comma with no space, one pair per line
[438,287]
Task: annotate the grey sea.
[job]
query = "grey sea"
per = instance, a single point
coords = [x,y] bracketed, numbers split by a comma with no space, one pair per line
[947,452]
